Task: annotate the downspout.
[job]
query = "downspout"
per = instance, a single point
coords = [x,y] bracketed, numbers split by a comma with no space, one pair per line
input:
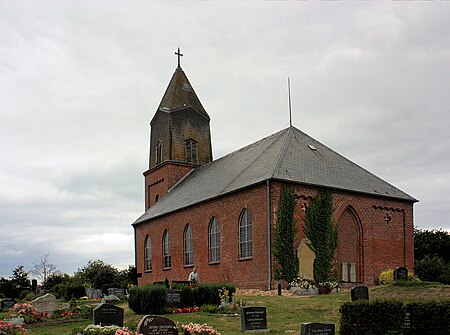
[404,239]
[135,253]
[269,238]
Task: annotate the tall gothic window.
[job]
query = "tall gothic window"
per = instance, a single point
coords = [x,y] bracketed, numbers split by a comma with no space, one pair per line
[148,254]
[188,246]
[166,250]
[214,241]
[159,153]
[245,235]
[191,151]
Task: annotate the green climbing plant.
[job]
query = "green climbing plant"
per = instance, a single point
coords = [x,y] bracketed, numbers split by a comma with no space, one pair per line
[286,261]
[322,236]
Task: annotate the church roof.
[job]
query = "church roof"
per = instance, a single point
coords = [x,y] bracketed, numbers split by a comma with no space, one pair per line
[180,94]
[289,155]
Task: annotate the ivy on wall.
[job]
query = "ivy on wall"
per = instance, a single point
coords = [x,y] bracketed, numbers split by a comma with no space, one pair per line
[286,261]
[322,236]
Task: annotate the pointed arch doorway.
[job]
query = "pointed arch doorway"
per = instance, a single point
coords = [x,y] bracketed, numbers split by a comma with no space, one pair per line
[306,259]
[350,247]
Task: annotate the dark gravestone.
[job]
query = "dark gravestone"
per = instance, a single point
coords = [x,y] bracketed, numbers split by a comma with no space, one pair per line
[254,318]
[315,328]
[34,285]
[118,292]
[8,303]
[360,293]
[156,325]
[401,273]
[407,324]
[108,315]
[173,298]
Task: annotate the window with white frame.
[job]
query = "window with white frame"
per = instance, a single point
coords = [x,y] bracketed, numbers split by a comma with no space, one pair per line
[214,241]
[166,250]
[148,254]
[245,235]
[188,246]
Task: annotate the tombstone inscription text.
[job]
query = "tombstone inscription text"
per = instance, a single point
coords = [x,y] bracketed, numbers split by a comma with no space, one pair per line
[253,318]
[317,328]
[156,325]
[108,315]
[173,298]
[360,293]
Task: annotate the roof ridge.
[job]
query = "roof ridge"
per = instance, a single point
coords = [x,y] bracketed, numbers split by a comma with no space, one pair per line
[283,150]
[277,135]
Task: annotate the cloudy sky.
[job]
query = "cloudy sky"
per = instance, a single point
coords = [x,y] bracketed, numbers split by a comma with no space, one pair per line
[80,82]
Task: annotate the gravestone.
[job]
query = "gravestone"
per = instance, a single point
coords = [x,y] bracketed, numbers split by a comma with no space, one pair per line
[118,292]
[45,304]
[315,328]
[94,293]
[108,315]
[254,319]
[401,273]
[360,293]
[173,298]
[8,303]
[407,324]
[156,325]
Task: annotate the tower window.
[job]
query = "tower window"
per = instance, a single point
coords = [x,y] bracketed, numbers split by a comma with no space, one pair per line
[191,151]
[159,153]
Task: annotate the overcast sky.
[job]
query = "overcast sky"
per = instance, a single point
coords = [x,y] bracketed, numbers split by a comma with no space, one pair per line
[81,80]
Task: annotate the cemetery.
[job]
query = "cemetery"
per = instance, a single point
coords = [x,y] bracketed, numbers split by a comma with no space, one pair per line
[395,308]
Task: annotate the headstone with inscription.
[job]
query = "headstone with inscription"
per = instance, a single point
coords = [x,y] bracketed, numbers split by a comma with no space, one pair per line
[45,304]
[156,325]
[173,298]
[316,328]
[360,293]
[94,293]
[8,303]
[254,319]
[118,292]
[108,315]
[401,273]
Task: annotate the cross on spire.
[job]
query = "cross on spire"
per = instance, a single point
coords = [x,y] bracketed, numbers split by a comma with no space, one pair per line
[179,55]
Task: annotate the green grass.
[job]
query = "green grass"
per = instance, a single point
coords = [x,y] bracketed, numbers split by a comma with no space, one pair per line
[284,314]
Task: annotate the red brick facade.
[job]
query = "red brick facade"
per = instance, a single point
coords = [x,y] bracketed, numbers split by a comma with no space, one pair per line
[375,233]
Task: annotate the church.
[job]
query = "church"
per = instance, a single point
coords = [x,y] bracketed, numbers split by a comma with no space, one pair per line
[219,215]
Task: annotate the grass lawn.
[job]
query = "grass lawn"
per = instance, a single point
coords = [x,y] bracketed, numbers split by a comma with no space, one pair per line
[284,314]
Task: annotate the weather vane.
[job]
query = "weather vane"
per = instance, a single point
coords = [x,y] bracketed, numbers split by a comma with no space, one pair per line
[179,55]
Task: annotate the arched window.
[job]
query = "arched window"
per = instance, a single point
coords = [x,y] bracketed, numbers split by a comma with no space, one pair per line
[188,246]
[166,250]
[191,151]
[245,235]
[214,241]
[158,153]
[148,254]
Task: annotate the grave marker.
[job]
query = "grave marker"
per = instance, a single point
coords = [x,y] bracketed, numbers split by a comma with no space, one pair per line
[156,325]
[401,273]
[317,328]
[108,315]
[173,298]
[254,319]
[360,293]
[45,304]
[118,292]
[8,303]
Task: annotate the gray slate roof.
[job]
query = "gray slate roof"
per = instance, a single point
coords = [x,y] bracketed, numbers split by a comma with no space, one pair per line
[289,155]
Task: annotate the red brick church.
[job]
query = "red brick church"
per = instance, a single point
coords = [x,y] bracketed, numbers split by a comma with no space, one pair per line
[219,215]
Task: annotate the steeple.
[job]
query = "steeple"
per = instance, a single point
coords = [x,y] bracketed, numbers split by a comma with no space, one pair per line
[180,137]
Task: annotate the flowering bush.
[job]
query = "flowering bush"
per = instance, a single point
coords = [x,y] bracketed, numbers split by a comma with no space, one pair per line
[100,330]
[125,331]
[197,329]
[8,328]
[302,283]
[186,310]
[28,312]
[386,277]
[328,285]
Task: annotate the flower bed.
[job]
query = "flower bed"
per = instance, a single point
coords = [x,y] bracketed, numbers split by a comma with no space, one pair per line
[8,328]
[186,310]
[198,329]
[31,315]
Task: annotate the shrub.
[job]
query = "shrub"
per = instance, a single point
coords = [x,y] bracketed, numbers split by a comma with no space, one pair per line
[433,268]
[149,299]
[100,330]
[371,317]
[211,309]
[386,277]
[110,299]
[187,298]
[7,328]
[209,293]
[432,317]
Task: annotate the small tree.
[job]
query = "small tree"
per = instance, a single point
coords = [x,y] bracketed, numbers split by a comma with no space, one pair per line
[322,236]
[20,281]
[44,268]
[286,262]
[97,273]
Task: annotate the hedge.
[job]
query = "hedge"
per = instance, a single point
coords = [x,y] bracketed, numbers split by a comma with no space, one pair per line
[150,299]
[388,317]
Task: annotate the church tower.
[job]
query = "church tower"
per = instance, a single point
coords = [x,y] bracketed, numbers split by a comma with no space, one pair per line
[180,137]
